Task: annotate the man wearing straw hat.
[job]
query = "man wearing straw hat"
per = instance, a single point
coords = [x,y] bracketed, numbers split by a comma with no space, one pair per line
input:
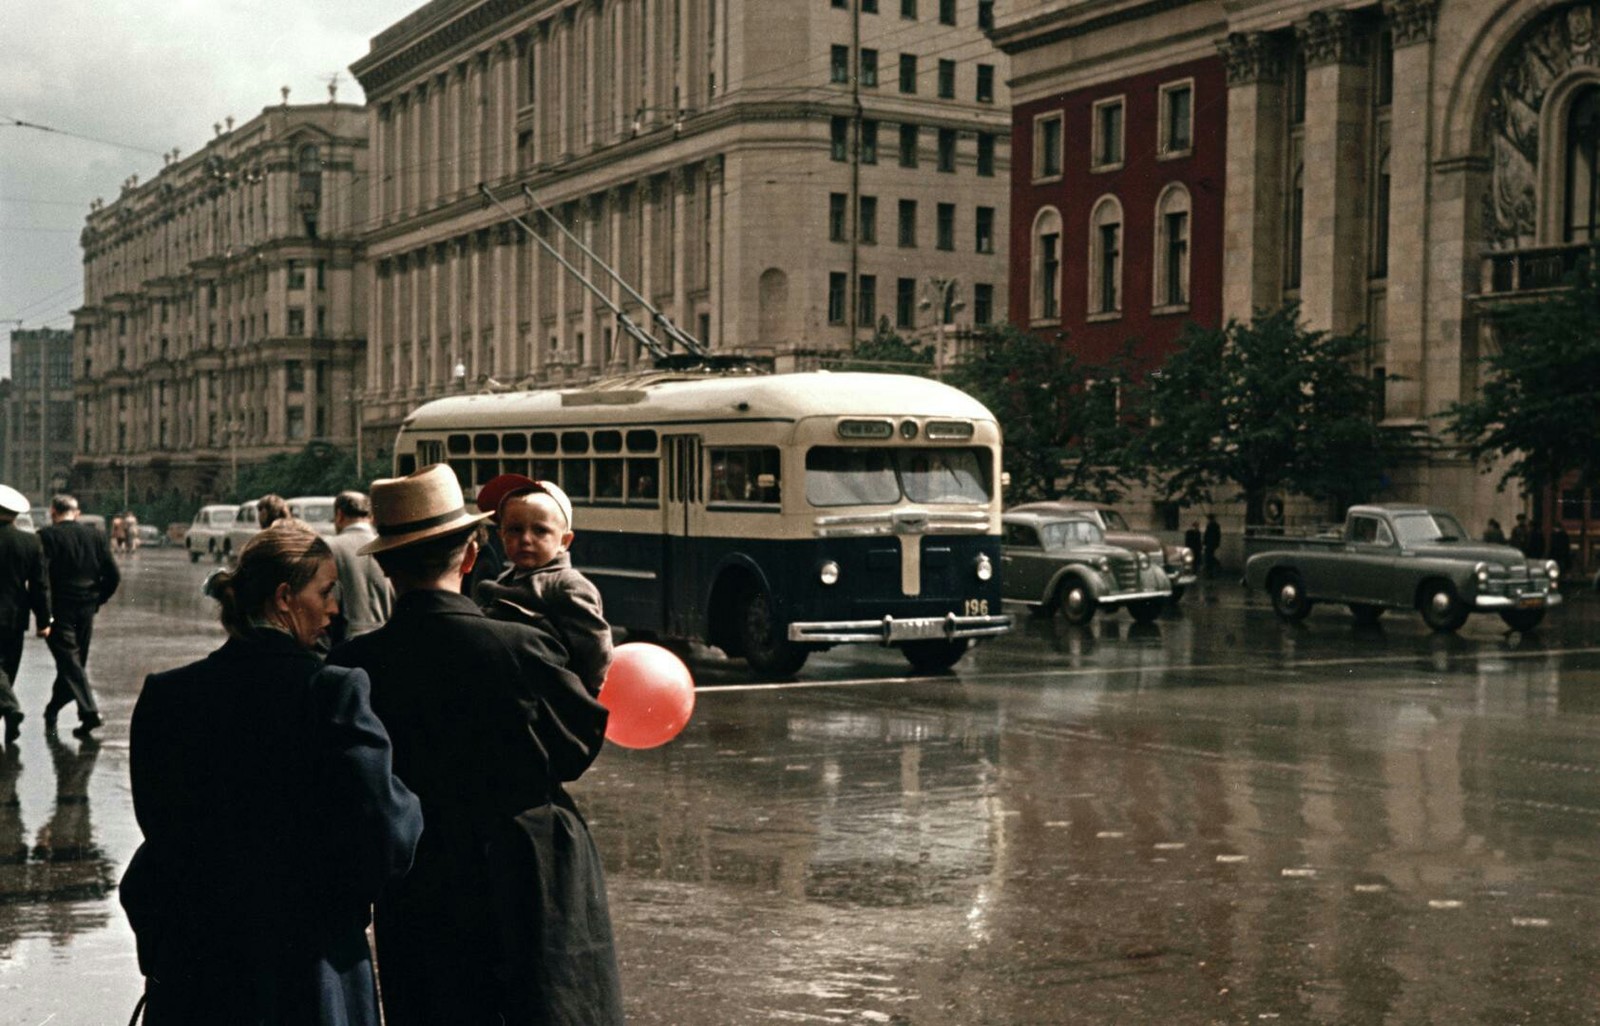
[23,589]
[503,918]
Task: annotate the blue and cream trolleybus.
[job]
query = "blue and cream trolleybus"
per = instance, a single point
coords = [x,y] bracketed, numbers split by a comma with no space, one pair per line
[770,515]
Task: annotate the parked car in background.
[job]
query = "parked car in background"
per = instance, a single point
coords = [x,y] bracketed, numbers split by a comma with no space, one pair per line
[1054,563]
[316,510]
[1177,560]
[246,525]
[150,536]
[1395,556]
[208,532]
[95,521]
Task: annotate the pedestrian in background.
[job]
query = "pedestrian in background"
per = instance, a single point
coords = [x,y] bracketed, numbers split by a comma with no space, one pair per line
[1213,542]
[83,577]
[1560,546]
[272,816]
[1494,534]
[270,509]
[1193,540]
[1519,534]
[23,590]
[365,597]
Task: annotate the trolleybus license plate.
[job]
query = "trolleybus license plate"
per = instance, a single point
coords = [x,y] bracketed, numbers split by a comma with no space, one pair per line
[916,629]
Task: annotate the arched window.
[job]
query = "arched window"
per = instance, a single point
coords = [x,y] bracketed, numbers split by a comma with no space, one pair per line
[1172,248]
[1105,257]
[1583,167]
[1044,302]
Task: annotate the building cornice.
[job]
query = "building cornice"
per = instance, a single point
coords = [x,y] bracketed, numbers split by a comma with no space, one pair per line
[418,40]
[1252,57]
[1410,21]
[1077,19]
[1331,37]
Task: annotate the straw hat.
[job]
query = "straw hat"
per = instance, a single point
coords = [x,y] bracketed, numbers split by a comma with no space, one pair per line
[12,501]
[419,506]
[494,494]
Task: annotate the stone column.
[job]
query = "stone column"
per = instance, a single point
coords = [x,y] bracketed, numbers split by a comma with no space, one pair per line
[1334,265]
[1253,200]
[588,222]
[538,54]
[503,283]
[440,155]
[458,105]
[679,311]
[503,136]
[614,208]
[398,164]
[715,192]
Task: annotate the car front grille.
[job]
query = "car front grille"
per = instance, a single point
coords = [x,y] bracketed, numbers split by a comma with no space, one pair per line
[1126,573]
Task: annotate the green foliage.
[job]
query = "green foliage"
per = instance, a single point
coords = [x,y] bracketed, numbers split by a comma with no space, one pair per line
[1539,406]
[888,353]
[1264,406]
[1063,432]
[318,469]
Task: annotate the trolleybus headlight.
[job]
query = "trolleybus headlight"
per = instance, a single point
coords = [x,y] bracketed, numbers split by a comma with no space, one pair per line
[1552,568]
[828,573]
[1482,572]
[984,568]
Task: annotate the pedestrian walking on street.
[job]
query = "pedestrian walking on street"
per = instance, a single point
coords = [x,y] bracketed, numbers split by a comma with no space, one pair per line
[270,509]
[365,597]
[271,813]
[503,919]
[1519,534]
[83,577]
[24,589]
[1494,534]
[1213,542]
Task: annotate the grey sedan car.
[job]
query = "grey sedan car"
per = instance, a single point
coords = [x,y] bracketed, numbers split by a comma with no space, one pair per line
[1053,563]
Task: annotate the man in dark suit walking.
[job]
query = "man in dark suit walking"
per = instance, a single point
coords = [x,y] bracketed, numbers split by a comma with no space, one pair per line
[83,576]
[503,918]
[23,589]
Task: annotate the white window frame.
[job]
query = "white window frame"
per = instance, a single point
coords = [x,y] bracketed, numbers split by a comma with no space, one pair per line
[1099,218]
[1039,177]
[1174,199]
[1097,143]
[1164,148]
[1047,221]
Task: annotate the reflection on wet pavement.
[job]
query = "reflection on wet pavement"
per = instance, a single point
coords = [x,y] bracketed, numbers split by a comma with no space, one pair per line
[1215,819]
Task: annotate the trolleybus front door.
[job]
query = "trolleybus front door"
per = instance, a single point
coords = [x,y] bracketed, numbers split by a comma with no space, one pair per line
[682,583]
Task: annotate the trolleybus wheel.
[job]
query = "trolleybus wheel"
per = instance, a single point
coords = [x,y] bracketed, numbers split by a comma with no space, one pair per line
[768,652]
[934,656]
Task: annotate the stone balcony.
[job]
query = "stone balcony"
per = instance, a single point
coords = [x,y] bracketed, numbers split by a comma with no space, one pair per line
[1525,273]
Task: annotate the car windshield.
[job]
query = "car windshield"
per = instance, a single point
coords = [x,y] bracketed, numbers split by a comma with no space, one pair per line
[1066,534]
[880,476]
[1422,528]
[1114,520]
[316,513]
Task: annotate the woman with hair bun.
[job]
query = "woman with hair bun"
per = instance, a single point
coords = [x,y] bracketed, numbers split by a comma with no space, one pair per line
[271,814]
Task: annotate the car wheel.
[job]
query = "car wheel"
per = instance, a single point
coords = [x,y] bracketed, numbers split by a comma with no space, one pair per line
[1442,610]
[194,557]
[1146,611]
[934,656]
[765,649]
[1289,599]
[1522,619]
[1076,602]
[1177,594]
[1366,615]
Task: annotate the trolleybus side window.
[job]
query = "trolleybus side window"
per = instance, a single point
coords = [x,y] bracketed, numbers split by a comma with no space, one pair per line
[745,476]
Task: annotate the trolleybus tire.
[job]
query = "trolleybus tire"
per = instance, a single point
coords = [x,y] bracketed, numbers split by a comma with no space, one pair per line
[765,649]
[935,655]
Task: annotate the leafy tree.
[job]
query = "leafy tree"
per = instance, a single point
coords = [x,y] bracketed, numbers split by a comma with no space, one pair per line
[1538,409]
[889,353]
[1063,431]
[1264,406]
[318,469]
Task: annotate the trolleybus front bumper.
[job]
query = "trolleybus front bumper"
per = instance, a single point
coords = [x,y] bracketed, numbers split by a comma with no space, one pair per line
[890,630]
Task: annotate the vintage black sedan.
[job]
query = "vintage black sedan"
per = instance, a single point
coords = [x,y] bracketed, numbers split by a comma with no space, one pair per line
[1054,563]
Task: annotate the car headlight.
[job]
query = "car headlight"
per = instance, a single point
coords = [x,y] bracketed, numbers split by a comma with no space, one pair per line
[1188,556]
[1104,565]
[1552,568]
[1481,571]
[1144,561]
[828,573]
[983,567]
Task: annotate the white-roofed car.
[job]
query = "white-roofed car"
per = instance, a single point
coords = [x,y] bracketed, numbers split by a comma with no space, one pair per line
[316,510]
[246,525]
[208,532]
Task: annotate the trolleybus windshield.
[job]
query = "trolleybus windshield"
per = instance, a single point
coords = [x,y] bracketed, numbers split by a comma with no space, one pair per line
[879,476]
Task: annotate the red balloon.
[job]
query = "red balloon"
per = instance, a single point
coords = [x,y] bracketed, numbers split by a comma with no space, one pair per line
[650,694]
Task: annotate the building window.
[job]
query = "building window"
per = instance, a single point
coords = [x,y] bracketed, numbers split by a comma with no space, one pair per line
[986,15]
[986,83]
[947,149]
[838,207]
[869,142]
[839,66]
[869,68]
[908,145]
[1044,300]
[867,301]
[1172,248]
[1380,207]
[945,228]
[982,304]
[297,278]
[908,9]
[947,80]
[986,154]
[838,282]
[322,274]
[296,423]
[907,234]
[869,6]
[947,12]
[908,73]
[1383,72]
[1105,257]
[1108,134]
[905,302]
[985,230]
[1297,88]
[868,223]
[1583,167]
[843,5]
[839,133]
[1177,119]
[1046,147]
[294,376]
[297,321]
[1294,242]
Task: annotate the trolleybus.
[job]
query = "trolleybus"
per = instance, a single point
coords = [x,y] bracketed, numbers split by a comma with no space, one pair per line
[769,515]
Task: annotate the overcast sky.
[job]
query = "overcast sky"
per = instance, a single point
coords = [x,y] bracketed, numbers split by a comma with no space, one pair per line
[139,77]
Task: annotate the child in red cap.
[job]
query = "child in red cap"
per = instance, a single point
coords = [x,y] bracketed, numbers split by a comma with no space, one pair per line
[535,523]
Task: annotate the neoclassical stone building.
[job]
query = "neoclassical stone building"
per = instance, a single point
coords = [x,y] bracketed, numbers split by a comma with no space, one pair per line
[223,318]
[1395,165]
[775,177]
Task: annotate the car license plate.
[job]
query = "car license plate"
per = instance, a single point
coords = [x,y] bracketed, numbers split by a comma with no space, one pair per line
[1531,601]
[916,629]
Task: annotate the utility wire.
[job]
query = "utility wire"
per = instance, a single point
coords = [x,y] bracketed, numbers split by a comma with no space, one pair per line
[7,121]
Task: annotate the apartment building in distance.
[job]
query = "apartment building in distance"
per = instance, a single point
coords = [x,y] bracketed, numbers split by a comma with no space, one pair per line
[38,435]
[777,178]
[223,318]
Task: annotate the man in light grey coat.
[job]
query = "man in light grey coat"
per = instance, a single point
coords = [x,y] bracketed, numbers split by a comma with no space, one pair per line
[365,597]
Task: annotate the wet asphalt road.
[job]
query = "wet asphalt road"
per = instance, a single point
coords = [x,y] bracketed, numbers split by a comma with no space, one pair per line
[1216,820]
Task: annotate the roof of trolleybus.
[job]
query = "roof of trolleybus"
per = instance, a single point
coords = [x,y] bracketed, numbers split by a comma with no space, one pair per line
[666,397]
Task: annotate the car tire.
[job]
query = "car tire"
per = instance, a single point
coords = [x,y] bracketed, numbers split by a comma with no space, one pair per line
[1522,620]
[1177,594]
[765,649]
[1076,601]
[934,656]
[1288,593]
[1442,610]
[1146,611]
[1366,615]
[194,557]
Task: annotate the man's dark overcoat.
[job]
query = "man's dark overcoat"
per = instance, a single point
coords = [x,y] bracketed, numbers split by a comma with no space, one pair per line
[24,589]
[503,918]
[272,820]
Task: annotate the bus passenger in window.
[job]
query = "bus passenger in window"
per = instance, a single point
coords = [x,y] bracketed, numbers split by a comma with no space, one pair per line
[535,524]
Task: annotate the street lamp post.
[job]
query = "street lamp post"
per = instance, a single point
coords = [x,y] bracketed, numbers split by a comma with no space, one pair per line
[940,294]
[358,396]
[233,453]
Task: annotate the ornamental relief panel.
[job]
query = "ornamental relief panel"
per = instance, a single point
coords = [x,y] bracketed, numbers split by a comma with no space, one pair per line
[1563,40]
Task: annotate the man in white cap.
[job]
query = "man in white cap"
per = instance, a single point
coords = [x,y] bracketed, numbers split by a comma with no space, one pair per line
[503,917]
[23,589]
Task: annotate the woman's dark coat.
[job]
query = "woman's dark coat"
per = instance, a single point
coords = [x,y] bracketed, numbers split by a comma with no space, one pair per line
[272,821]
